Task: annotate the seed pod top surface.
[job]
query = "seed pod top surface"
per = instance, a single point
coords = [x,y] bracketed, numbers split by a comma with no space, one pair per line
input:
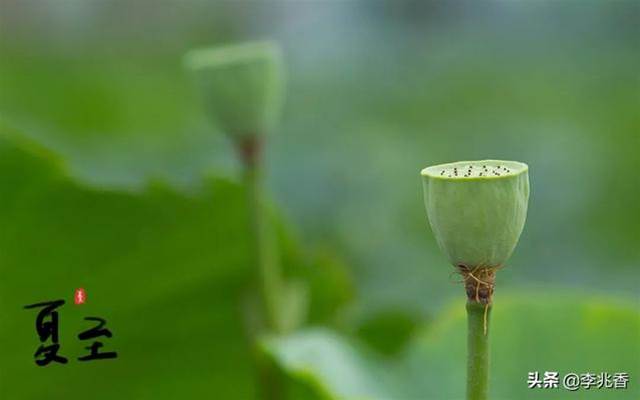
[242,85]
[477,209]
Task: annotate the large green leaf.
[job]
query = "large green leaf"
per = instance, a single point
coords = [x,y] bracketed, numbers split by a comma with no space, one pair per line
[539,332]
[170,272]
[166,271]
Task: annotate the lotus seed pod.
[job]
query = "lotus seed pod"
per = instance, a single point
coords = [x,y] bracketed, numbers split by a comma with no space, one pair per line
[241,85]
[477,209]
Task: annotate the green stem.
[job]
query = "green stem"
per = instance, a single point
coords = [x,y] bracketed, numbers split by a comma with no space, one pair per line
[265,255]
[265,247]
[477,350]
[265,252]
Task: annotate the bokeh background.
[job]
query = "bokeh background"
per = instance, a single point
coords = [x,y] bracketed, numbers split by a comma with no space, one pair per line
[113,179]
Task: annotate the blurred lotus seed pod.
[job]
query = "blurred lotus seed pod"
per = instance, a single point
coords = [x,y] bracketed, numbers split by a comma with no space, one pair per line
[477,209]
[242,85]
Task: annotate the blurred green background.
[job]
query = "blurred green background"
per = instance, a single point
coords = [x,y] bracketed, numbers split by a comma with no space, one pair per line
[112,179]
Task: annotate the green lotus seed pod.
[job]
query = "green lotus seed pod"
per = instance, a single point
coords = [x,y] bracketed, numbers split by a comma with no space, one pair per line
[477,209]
[242,85]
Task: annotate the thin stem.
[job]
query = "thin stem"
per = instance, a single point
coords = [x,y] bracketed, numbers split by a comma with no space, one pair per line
[265,255]
[265,249]
[478,350]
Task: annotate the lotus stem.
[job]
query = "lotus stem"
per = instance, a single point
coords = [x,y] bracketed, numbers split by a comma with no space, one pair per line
[478,317]
[264,242]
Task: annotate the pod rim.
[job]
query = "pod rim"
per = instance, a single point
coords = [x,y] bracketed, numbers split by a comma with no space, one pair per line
[231,54]
[431,171]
